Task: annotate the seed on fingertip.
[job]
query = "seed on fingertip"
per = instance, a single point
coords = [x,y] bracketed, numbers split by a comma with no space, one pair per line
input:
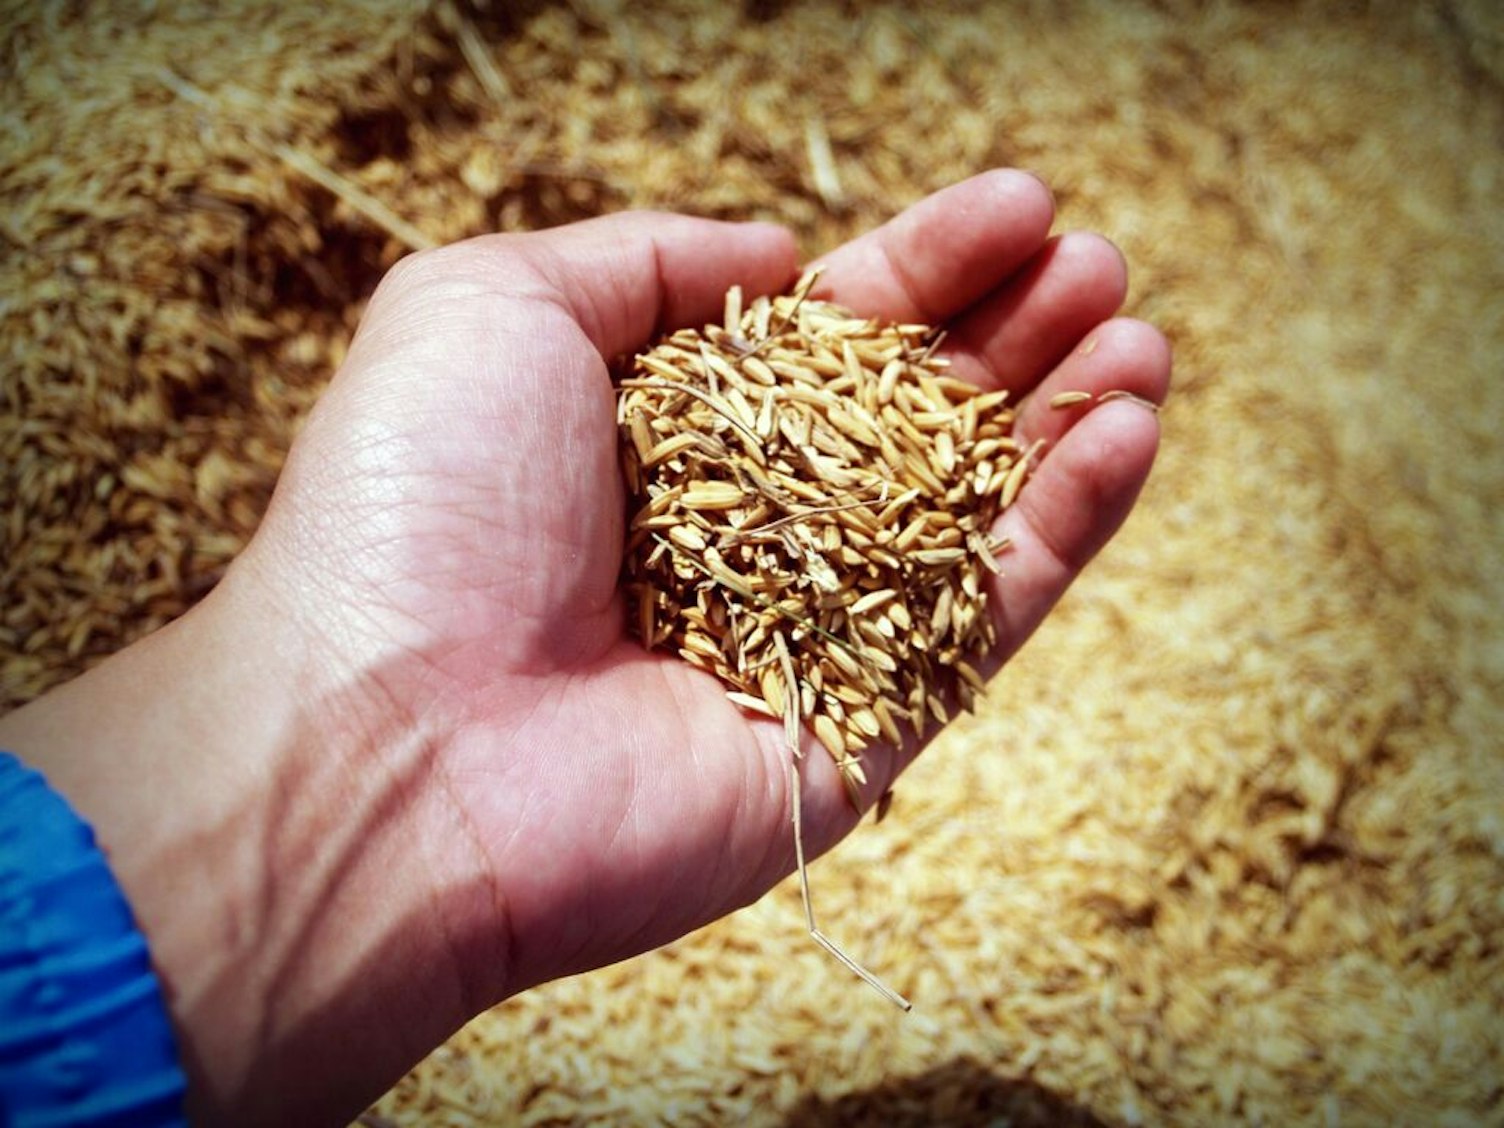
[1070,399]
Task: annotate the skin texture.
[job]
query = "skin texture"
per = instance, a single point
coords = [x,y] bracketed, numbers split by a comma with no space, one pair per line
[404,762]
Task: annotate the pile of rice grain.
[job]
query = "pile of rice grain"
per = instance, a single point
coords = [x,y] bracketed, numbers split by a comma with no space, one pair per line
[811,499]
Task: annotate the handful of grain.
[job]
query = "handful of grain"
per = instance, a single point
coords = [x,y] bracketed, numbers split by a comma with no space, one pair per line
[811,496]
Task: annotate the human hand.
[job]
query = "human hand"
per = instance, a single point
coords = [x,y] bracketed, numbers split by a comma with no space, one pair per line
[464,777]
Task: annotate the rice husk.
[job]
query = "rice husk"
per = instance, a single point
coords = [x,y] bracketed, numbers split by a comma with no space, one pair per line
[1222,844]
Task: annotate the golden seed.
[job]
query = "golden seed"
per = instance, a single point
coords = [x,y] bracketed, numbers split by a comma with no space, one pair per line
[733,309]
[662,452]
[688,537]
[752,704]
[873,599]
[1069,399]
[969,674]
[866,721]
[758,371]
[712,495]
[851,766]
[772,689]
[945,452]
[1013,483]
[884,716]
[938,557]
[829,734]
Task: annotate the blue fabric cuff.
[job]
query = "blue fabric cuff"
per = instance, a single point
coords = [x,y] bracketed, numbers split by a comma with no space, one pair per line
[84,1033]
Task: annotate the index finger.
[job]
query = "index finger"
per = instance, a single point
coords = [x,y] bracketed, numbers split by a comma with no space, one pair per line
[936,258]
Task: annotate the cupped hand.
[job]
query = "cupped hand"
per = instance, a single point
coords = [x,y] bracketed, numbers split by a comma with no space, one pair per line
[456,504]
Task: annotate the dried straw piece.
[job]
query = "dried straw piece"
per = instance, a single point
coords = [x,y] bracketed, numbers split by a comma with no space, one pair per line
[810,496]
[1131,397]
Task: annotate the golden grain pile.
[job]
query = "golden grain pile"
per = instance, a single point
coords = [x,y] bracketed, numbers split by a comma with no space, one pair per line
[1224,843]
[811,500]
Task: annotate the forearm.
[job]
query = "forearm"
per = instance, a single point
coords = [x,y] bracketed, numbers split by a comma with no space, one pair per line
[265,856]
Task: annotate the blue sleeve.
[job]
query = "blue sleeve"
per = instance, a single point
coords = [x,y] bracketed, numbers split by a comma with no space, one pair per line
[84,1033]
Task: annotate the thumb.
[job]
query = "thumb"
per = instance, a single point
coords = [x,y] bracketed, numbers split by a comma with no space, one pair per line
[622,278]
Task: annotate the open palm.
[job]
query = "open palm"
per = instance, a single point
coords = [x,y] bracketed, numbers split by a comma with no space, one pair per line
[451,523]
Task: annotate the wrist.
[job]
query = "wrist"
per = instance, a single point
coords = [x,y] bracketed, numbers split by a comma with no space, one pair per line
[259,813]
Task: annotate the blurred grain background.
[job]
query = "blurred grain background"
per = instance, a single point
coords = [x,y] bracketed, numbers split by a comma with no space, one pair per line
[1225,844]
